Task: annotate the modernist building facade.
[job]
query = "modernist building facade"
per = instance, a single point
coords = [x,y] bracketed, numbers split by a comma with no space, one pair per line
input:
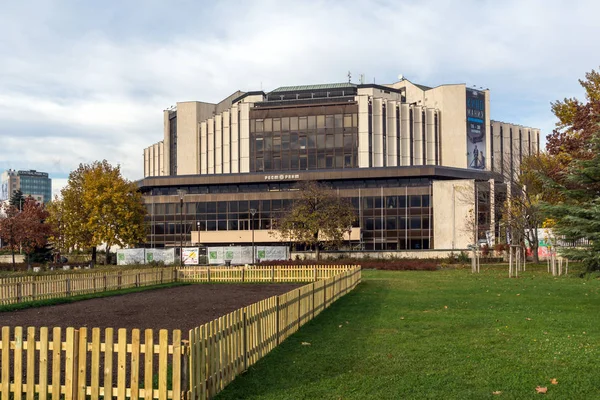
[424,167]
[30,182]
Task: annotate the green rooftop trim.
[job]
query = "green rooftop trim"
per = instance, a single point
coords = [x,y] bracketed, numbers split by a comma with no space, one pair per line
[324,86]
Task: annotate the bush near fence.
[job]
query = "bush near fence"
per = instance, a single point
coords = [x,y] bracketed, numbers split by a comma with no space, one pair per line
[83,366]
[395,264]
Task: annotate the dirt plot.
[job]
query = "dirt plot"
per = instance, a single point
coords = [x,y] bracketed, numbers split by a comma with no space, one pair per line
[182,307]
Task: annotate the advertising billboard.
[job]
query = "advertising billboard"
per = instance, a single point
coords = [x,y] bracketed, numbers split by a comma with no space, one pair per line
[476,129]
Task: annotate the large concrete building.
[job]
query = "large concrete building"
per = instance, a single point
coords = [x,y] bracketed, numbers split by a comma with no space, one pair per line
[425,167]
[31,183]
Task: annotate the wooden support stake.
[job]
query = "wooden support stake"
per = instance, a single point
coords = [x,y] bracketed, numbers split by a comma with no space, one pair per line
[245,340]
[277,318]
[185,365]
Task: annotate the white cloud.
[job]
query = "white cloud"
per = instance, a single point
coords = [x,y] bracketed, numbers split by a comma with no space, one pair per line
[84,83]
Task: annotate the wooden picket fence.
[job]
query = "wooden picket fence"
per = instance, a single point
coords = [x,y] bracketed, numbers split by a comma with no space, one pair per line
[89,364]
[222,349]
[71,365]
[43,287]
[264,274]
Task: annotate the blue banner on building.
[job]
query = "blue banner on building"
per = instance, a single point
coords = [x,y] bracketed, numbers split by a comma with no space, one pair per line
[476,129]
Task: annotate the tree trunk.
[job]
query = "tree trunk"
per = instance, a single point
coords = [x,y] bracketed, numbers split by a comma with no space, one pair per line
[106,255]
[93,262]
[317,253]
[534,251]
[12,251]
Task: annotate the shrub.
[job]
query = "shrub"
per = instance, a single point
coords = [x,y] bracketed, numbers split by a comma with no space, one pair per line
[463,257]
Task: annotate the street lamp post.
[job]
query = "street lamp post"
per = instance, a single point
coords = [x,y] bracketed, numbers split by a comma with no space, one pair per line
[181,194]
[198,229]
[252,212]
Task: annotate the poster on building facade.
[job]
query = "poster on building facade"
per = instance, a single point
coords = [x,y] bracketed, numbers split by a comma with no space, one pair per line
[476,129]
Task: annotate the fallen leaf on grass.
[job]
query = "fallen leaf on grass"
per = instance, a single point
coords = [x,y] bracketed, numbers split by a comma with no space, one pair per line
[340,326]
[390,356]
[554,381]
[497,392]
[541,390]
[401,317]
[445,306]
[305,344]
[528,319]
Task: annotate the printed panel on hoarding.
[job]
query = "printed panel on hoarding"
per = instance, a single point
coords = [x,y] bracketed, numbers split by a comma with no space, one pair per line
[190,256]
[476,129]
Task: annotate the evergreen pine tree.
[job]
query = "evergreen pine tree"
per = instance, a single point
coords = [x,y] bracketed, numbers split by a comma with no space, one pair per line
[578,216]
[17,199]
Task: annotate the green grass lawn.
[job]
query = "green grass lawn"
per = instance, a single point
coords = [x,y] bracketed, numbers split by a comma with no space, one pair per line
[442,335]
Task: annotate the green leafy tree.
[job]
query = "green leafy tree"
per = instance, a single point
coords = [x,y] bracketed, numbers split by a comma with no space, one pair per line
[25,229]
[317,217]
[98,206]
[577,123]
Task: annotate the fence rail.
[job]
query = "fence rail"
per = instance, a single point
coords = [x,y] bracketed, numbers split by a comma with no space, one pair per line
[269,273]
[43,287]
[90,364]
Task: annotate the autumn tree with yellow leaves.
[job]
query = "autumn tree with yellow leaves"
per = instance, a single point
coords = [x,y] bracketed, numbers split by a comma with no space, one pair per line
[98,206]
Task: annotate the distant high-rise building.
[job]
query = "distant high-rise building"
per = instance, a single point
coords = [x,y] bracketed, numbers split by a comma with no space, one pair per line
[31,183]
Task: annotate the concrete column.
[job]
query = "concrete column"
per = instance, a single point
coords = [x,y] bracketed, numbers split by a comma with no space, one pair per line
[167,143]
[161,147]
[211,145]
[430,136]
[497,147]
[506,150]
[203,148]
[245,137]
[363,131]
[218,144]
[154,160]
[392,151]
[488,137]
[417,136]
[377,133]
[234,140]
[226,143]
[525,141]
[405,134]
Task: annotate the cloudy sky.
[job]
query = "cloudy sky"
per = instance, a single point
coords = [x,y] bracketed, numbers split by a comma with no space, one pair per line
[83,81]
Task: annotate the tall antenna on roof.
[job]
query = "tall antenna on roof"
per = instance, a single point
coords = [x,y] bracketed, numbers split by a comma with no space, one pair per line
[362,79]
[349,77]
